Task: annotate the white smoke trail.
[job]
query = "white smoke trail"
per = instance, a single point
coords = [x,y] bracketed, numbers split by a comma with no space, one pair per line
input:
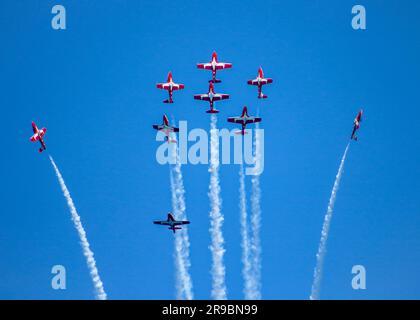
[182,242]
[99,288]
[184,234]
[246,268]
[256,224]
[179,262]
[322,249]
[216,217]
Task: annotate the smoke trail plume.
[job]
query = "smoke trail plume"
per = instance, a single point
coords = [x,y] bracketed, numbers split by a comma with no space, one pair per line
[322,249]
[90,260]
[179,263]
[246,268]
[216,217]
[256,224]
[182,243]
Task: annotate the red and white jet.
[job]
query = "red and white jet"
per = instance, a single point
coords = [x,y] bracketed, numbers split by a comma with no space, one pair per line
[244,119]
[166,128]
[214,65]
[211,96]
[356,126]
[170,85]
[260,81]
[38,136]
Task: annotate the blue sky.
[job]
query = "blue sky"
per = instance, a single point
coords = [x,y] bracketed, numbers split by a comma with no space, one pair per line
[93,87]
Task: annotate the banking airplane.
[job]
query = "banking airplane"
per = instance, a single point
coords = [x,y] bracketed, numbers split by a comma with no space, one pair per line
[244,119]
[211,96]
[171,222]
[170,85]
[38,136]
[356,126]
[260,81]
[214,65]
[166,128]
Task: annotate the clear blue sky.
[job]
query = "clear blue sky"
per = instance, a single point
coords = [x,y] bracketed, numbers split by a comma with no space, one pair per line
[93,87]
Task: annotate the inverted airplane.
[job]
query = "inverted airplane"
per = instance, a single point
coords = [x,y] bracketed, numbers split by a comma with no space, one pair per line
[170,86]
[211,96]
[171,222]
[244,119]
[214,65]
[356,126]
[166,128]
[260,81]
[39,136]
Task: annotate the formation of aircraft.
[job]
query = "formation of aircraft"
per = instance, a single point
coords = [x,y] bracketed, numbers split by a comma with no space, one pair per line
[211,96]
[356,125]
[166,129]
[171,222]
[244,119]
[260,81]
[170,86]
[39,136]
[214,65]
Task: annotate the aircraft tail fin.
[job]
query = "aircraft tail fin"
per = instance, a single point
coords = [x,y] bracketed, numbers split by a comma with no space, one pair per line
[174,229]
[245,111]
[165,120]
[262,96]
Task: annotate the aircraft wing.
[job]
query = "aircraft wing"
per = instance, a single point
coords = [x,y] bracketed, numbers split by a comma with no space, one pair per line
[34,127]
[178,223]
[177,86]
[253,120]
[172,129]
[220,96]
[206,66]
[162,128]
[223,65]
[235,119]
[163,223]
[164,86]
[35,137]
[254,82]
[203,96]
